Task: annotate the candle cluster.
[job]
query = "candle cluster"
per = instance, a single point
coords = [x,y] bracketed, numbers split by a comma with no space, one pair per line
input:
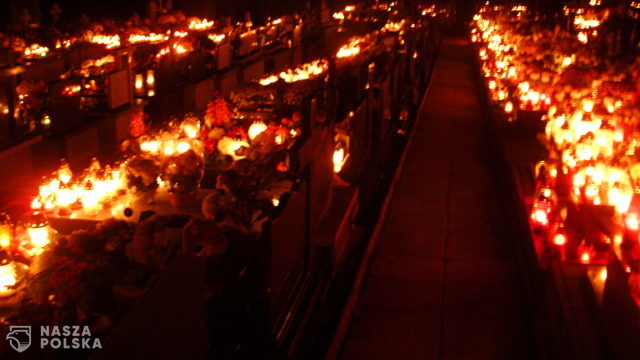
[351,48]
[590,115]
[394,26]
[145,84]
[303,72]
[200,24]
[109,41]
[36,51]
[587,21]
[152,38]
[88,191]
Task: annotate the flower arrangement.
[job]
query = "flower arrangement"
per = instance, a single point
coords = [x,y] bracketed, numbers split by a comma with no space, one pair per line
[141,174]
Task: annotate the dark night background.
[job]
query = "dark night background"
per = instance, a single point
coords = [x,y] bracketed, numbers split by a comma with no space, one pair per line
[260,9]
[119,9]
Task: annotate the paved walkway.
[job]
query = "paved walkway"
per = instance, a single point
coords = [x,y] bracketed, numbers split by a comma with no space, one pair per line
[443,283]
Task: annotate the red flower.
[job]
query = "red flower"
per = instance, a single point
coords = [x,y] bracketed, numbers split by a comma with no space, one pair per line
[218,113]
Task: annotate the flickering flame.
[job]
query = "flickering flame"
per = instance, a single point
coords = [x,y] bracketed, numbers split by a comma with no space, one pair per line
[584,23]
[585,257]
[39,236]
[35,51]
[152,38]
[339,159]
[180,49]
[568,60]
[256,129]
[139,84]
[540,216]
[8,278]
[305,71]
[71,90]
[150,79]
[199,25]
[151,146]
[183,147]
[90,200]
[603,274]
[162,53]
[350,49]
[631,221]
[248,33]
[169,148]
[269,80]
[217,38]
[583,37]
[180,34]
[587,105]
[394,26]
[302,72]
[65,43]
[110,41]
[560,239]
[191,130]
[508,107]
[5,236]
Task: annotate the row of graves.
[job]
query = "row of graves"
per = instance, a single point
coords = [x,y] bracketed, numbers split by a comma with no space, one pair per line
[218,232]
[578,179]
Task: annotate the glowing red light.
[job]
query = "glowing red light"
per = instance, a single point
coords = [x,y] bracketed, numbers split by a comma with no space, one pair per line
[540,216]
[585,257]
[631,221]
[560,239]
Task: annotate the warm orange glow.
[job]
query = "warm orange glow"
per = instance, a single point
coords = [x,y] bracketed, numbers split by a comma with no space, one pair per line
[6,235]
[39,236]
[508,107]
[151,146]
[183,147]
[139,84]
[35,51]
[540,216]
[351,48]
[180,49]
[203,24]
[8,278]
[256,129]
[585,257]
[150,79]
[269,80]
[631,221]
[71,90]
[339,159]
[303,72]
[217,38]
[147,38]
[229,146]
[169,148]
[560,239]
[394,26]
[110,41]
[180,34]
[190,129]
